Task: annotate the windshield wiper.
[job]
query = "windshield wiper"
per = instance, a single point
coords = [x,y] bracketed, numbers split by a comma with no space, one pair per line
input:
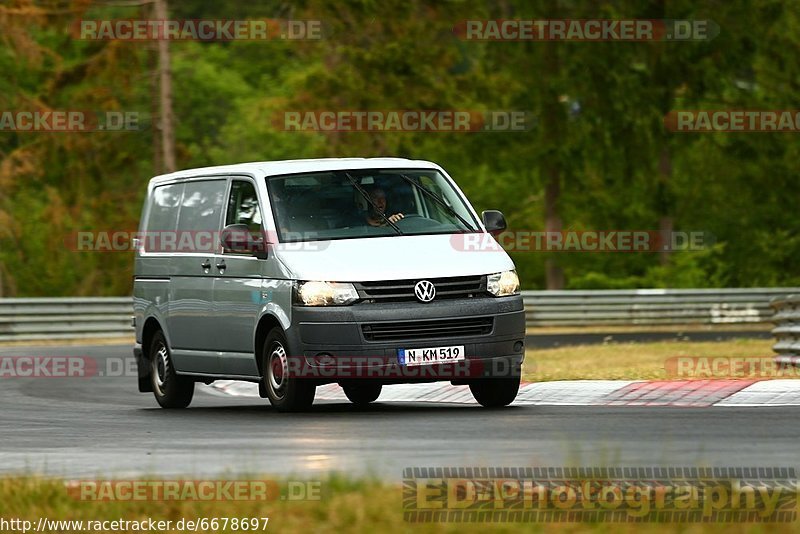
[366,196]
[439,201]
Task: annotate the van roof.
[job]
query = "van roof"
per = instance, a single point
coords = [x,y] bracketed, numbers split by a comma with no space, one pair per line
[291,166]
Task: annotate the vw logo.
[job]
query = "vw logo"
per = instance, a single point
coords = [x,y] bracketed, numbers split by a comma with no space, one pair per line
[425,291]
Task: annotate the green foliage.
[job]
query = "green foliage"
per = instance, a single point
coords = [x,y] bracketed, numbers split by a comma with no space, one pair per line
[598,111]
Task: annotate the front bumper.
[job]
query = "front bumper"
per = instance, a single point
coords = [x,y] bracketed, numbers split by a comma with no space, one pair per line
[329,343]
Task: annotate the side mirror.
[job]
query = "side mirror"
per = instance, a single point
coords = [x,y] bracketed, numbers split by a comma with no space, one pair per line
[494,221]
[238,238]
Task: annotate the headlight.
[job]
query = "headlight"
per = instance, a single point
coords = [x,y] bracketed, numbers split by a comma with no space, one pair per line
[326,293]
[503,284]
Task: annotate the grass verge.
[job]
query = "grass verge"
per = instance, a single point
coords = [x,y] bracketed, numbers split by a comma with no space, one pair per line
[632,361]
[345,506]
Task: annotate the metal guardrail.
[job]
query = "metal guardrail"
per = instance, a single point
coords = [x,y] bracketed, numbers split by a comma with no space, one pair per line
[787,328]
[650,306]
[65,318]
[60,318]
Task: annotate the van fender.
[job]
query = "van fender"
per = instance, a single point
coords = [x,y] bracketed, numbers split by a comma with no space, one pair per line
[151,312]
[276,311]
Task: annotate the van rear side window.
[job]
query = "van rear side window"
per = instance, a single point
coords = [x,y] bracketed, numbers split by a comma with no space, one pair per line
[163,215]
[201,206]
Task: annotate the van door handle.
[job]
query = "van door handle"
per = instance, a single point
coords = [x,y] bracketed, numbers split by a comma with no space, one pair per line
[221,266]
[206,264]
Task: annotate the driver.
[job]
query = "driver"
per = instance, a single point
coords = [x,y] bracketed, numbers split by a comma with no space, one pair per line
[378,197]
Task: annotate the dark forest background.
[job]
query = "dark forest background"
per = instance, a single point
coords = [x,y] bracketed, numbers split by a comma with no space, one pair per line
[598,155]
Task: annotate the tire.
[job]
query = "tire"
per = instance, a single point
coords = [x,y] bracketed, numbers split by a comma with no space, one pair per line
[495,392]
[170,389]
[285,393]
[362,392]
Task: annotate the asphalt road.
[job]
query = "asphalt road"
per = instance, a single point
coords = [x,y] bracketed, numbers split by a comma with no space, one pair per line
[101,426]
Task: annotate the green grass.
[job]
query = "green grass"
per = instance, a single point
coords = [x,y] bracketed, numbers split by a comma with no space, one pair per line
[346,506]
[631,361]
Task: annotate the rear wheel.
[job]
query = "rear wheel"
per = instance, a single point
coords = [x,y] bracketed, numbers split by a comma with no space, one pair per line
[170,389]
[362,392]
[495,392]
[285,392]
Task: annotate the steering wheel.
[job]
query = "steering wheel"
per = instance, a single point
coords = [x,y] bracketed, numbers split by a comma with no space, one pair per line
[413,220]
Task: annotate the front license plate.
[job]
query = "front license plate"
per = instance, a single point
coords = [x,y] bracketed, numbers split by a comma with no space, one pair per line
[411,357]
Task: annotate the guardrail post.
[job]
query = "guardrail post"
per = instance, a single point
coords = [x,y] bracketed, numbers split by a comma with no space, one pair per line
[787,329]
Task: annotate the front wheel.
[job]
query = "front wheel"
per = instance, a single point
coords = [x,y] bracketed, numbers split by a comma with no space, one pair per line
[495,392]
[170,389]
[285,392]
[363,392]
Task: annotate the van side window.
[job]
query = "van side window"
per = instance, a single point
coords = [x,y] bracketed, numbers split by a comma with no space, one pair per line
[163,215]
[243,206]
[200,208]
[200,214]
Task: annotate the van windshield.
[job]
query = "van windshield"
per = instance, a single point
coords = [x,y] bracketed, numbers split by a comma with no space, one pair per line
[366,203]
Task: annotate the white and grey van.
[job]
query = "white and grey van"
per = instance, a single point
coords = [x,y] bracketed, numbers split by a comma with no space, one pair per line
[294,274]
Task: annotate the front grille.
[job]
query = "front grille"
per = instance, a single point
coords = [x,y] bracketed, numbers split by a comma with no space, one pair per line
[454,287]
[431,329]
